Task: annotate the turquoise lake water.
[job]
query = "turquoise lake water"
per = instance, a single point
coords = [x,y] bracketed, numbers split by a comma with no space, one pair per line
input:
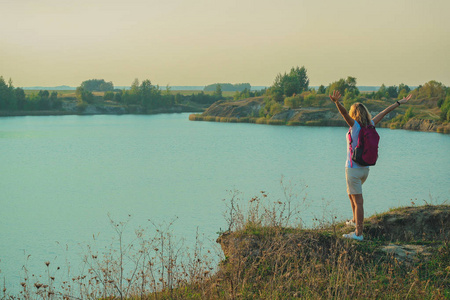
[61,176]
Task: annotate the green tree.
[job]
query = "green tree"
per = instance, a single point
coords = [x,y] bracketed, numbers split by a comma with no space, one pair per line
[288,84]
[445,109]
[55,102]
[402,87]
[178,98]
[12,94]
[118,96]
[403,91]
[84,96]
[97,85]
[168,98]
[432,89]
[218,92]
[295,82]
[44,101]
[168,90]
[21,98]
[392,91]
[276,91]
[4,94]
[402,94]
[132,96]
[321,90]
[8,99]
[32,102]
[382,92]
[343,86]
[148,95]
[145,93]
[408,115]
[243,95]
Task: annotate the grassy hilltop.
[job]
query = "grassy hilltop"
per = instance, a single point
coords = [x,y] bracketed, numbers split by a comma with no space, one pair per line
[405,255]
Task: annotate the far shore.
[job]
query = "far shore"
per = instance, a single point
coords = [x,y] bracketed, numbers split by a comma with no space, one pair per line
[97,111]
[415,125]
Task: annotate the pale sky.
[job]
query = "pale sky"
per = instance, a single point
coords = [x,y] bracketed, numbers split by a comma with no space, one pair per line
[199,42]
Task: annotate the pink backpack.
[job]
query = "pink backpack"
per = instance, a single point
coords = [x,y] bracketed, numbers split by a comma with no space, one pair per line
[366,151]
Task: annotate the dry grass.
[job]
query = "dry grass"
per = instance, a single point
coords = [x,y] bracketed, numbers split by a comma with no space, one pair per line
[225,94]
[268,255]
[153,262]
[61,93]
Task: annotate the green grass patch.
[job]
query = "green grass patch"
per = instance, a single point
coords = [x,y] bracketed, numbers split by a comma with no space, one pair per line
[276,122]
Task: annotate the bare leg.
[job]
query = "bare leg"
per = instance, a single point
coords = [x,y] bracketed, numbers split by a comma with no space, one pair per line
[359,212]
[352,202]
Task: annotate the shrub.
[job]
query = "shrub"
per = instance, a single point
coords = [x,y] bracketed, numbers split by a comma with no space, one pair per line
[210,118]
[195,117]
[81,106]
[293,102]
[350,98]
[408,115]
[108,95]
[261,121]
[395,125]
[275,108]
[445,109]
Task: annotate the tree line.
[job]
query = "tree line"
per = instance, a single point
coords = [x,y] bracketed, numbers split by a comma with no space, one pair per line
[15,99]
[228,87]
[292,90]
[143,94]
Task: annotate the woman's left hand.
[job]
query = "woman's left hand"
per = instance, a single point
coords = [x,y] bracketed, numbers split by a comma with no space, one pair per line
[405,99]
[336,96]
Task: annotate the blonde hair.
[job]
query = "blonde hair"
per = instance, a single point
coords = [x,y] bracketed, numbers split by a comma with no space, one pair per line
[361,114]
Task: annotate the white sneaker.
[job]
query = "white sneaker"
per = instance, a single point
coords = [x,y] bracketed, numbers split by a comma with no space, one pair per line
[350,223]
[352,235]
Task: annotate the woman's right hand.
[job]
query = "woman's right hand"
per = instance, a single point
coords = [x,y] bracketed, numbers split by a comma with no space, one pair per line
[336,96]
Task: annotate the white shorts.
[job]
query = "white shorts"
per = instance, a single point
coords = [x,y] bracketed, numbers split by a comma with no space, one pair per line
[355,178]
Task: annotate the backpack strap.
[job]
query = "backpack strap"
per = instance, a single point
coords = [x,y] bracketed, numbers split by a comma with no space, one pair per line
[350,146]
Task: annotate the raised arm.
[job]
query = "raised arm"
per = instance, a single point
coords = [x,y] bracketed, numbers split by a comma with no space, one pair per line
[335,98]
[390,108]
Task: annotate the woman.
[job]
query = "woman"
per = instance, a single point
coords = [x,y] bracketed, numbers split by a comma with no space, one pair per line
[354,173]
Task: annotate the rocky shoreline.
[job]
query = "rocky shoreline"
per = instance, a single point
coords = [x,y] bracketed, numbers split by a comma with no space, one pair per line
[247,111]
